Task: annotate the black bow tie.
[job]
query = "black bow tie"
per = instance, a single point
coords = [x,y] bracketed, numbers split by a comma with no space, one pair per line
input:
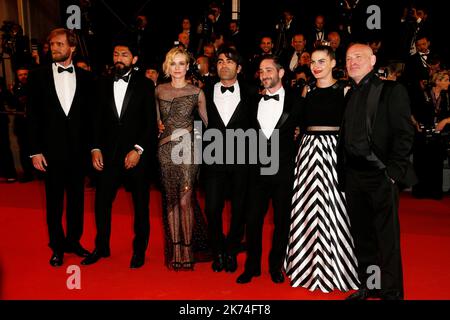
[125,78]
[275,97]
[224,89]
[61,69]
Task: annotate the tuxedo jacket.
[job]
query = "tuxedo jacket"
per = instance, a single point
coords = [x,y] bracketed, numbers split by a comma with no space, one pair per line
[288,121]
[58,136]
[392,134]
[117,134]
[416,70]
[239,120]
[311,38]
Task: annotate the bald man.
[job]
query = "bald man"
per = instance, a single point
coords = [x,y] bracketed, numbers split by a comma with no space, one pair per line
[374,148]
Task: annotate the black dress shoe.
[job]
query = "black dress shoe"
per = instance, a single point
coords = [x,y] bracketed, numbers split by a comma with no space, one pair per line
[78,250]
[231,263]
[57,259]
[277,276]
[137,260]
[247,276]
[391,295]
[26,179]
[94,257]
[218,264]
[363,294]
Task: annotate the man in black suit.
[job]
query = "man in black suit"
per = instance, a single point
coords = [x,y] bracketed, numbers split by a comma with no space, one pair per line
[228,103]
[275,116]
[291,57]
[375,143]
[123,144]
[317,34]
[58,109]
[19,102]
[418,66]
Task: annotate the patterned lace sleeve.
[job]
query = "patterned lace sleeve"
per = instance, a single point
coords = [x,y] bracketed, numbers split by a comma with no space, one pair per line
[202,107]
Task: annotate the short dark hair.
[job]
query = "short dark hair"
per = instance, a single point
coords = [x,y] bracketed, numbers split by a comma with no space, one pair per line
[327,49]
[231,53]
[275,59]
[303,69]
[126,42]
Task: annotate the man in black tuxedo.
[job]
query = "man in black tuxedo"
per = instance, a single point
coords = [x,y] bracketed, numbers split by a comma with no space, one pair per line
[123,144]
[373,156]
[418,66]
[317,35]
[228,103]
[275,116]
[58,111]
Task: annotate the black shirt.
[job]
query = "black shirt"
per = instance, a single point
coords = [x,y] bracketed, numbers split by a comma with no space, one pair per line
[324,106]
[355,130]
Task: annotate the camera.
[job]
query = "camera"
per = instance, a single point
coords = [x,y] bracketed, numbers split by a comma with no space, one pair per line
[298,84]
[382,73]
[339,73]
[429,133]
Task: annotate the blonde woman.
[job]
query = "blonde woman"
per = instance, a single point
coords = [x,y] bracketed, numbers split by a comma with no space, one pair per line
[431,118]
[176,103]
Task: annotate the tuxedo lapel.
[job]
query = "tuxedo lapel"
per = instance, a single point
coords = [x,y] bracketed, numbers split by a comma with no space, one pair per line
[79,81]
[286,111]
[53,93]
[240,105]
[236,112]
[210,98]
[128,94]
[112,102]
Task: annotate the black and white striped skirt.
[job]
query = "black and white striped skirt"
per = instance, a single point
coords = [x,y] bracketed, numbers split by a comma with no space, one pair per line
[320,249]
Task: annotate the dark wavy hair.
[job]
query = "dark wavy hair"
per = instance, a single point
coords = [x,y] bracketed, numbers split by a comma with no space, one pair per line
[231,53]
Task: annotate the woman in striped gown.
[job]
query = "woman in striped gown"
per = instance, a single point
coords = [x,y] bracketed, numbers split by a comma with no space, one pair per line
[320,250]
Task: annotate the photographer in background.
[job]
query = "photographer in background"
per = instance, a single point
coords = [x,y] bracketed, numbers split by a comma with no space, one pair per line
[285,30]
[15,44]
[393,72]
[7,170]
[19,102]
[431,118]
[302,77]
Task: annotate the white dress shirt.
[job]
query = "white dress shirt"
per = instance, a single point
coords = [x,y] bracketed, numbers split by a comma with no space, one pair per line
[294,61]
[120,89]
[65,85]
[226,102]
[270,111]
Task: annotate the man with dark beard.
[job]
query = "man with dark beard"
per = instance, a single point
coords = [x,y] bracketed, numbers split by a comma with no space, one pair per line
[123,142]
[57,113]
[275,115]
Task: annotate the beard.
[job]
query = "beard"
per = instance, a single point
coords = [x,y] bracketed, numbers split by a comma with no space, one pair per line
[269,83]
[60,57]
[120,69]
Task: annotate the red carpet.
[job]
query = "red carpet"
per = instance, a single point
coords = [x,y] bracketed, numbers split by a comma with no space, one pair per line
[26,274]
